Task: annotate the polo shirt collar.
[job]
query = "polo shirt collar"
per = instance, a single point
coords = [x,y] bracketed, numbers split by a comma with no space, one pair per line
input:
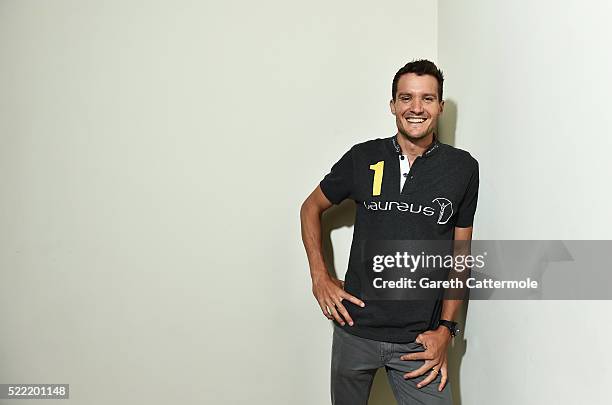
[431,149]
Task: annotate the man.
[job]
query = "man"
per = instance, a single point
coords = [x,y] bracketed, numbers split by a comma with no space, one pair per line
[407,187]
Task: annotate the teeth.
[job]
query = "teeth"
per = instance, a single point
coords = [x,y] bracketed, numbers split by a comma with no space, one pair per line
[416,120]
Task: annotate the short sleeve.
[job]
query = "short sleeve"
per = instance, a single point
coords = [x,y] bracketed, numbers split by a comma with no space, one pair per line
[338,183]
[467,207]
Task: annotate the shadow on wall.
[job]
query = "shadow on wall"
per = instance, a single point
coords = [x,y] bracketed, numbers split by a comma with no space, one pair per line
[343,215]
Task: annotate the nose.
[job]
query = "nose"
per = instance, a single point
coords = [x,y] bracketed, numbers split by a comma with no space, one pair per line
[416,106]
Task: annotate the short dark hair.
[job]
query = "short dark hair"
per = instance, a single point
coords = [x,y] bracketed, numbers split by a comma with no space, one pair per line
[419,67]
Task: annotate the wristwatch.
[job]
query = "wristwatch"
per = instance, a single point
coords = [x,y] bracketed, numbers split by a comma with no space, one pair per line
[452,326]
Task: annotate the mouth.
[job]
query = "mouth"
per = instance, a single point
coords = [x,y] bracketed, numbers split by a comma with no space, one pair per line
[416,120]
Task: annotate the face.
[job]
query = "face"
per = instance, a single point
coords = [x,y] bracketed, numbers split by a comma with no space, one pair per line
[416,107]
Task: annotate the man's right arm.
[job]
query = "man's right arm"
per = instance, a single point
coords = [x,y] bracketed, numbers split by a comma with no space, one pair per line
[328,291]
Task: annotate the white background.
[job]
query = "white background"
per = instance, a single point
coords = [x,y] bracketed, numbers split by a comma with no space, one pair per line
[154,157]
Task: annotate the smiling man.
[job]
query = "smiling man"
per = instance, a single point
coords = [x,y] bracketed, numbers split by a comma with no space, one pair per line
[409,186]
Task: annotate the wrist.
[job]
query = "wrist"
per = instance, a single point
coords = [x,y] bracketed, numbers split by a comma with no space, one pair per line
[320,276]
[450,326]
[443,330]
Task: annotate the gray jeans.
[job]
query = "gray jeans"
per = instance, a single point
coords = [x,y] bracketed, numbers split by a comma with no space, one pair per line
[354,364]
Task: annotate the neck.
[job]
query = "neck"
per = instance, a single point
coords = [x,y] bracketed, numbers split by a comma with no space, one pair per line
[414,147]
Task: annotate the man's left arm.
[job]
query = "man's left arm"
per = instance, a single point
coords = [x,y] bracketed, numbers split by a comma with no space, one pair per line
[436,341]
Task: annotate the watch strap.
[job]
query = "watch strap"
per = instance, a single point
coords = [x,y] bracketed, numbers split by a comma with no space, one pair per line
[452,326]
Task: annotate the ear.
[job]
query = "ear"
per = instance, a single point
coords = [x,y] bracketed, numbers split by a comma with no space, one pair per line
[392,105]
[441,106]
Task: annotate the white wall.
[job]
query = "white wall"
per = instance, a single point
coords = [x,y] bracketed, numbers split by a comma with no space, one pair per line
[154,156]
[530,81]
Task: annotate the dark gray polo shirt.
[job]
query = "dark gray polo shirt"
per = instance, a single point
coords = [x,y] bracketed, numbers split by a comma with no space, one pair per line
[440,193]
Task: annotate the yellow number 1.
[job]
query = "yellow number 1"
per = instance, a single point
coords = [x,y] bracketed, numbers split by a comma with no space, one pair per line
[378,175]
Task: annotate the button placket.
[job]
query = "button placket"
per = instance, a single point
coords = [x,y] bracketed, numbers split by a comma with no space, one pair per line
[409,184]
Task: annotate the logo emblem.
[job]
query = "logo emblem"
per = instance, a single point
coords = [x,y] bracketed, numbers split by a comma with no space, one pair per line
[446,209]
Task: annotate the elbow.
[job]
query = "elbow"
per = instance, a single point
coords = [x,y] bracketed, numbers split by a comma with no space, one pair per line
[305,207]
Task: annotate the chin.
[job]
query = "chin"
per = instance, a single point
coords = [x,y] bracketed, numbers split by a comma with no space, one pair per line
[415,136]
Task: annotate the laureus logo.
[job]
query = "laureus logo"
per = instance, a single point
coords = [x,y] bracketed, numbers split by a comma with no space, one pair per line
[446,209]
[442,206]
